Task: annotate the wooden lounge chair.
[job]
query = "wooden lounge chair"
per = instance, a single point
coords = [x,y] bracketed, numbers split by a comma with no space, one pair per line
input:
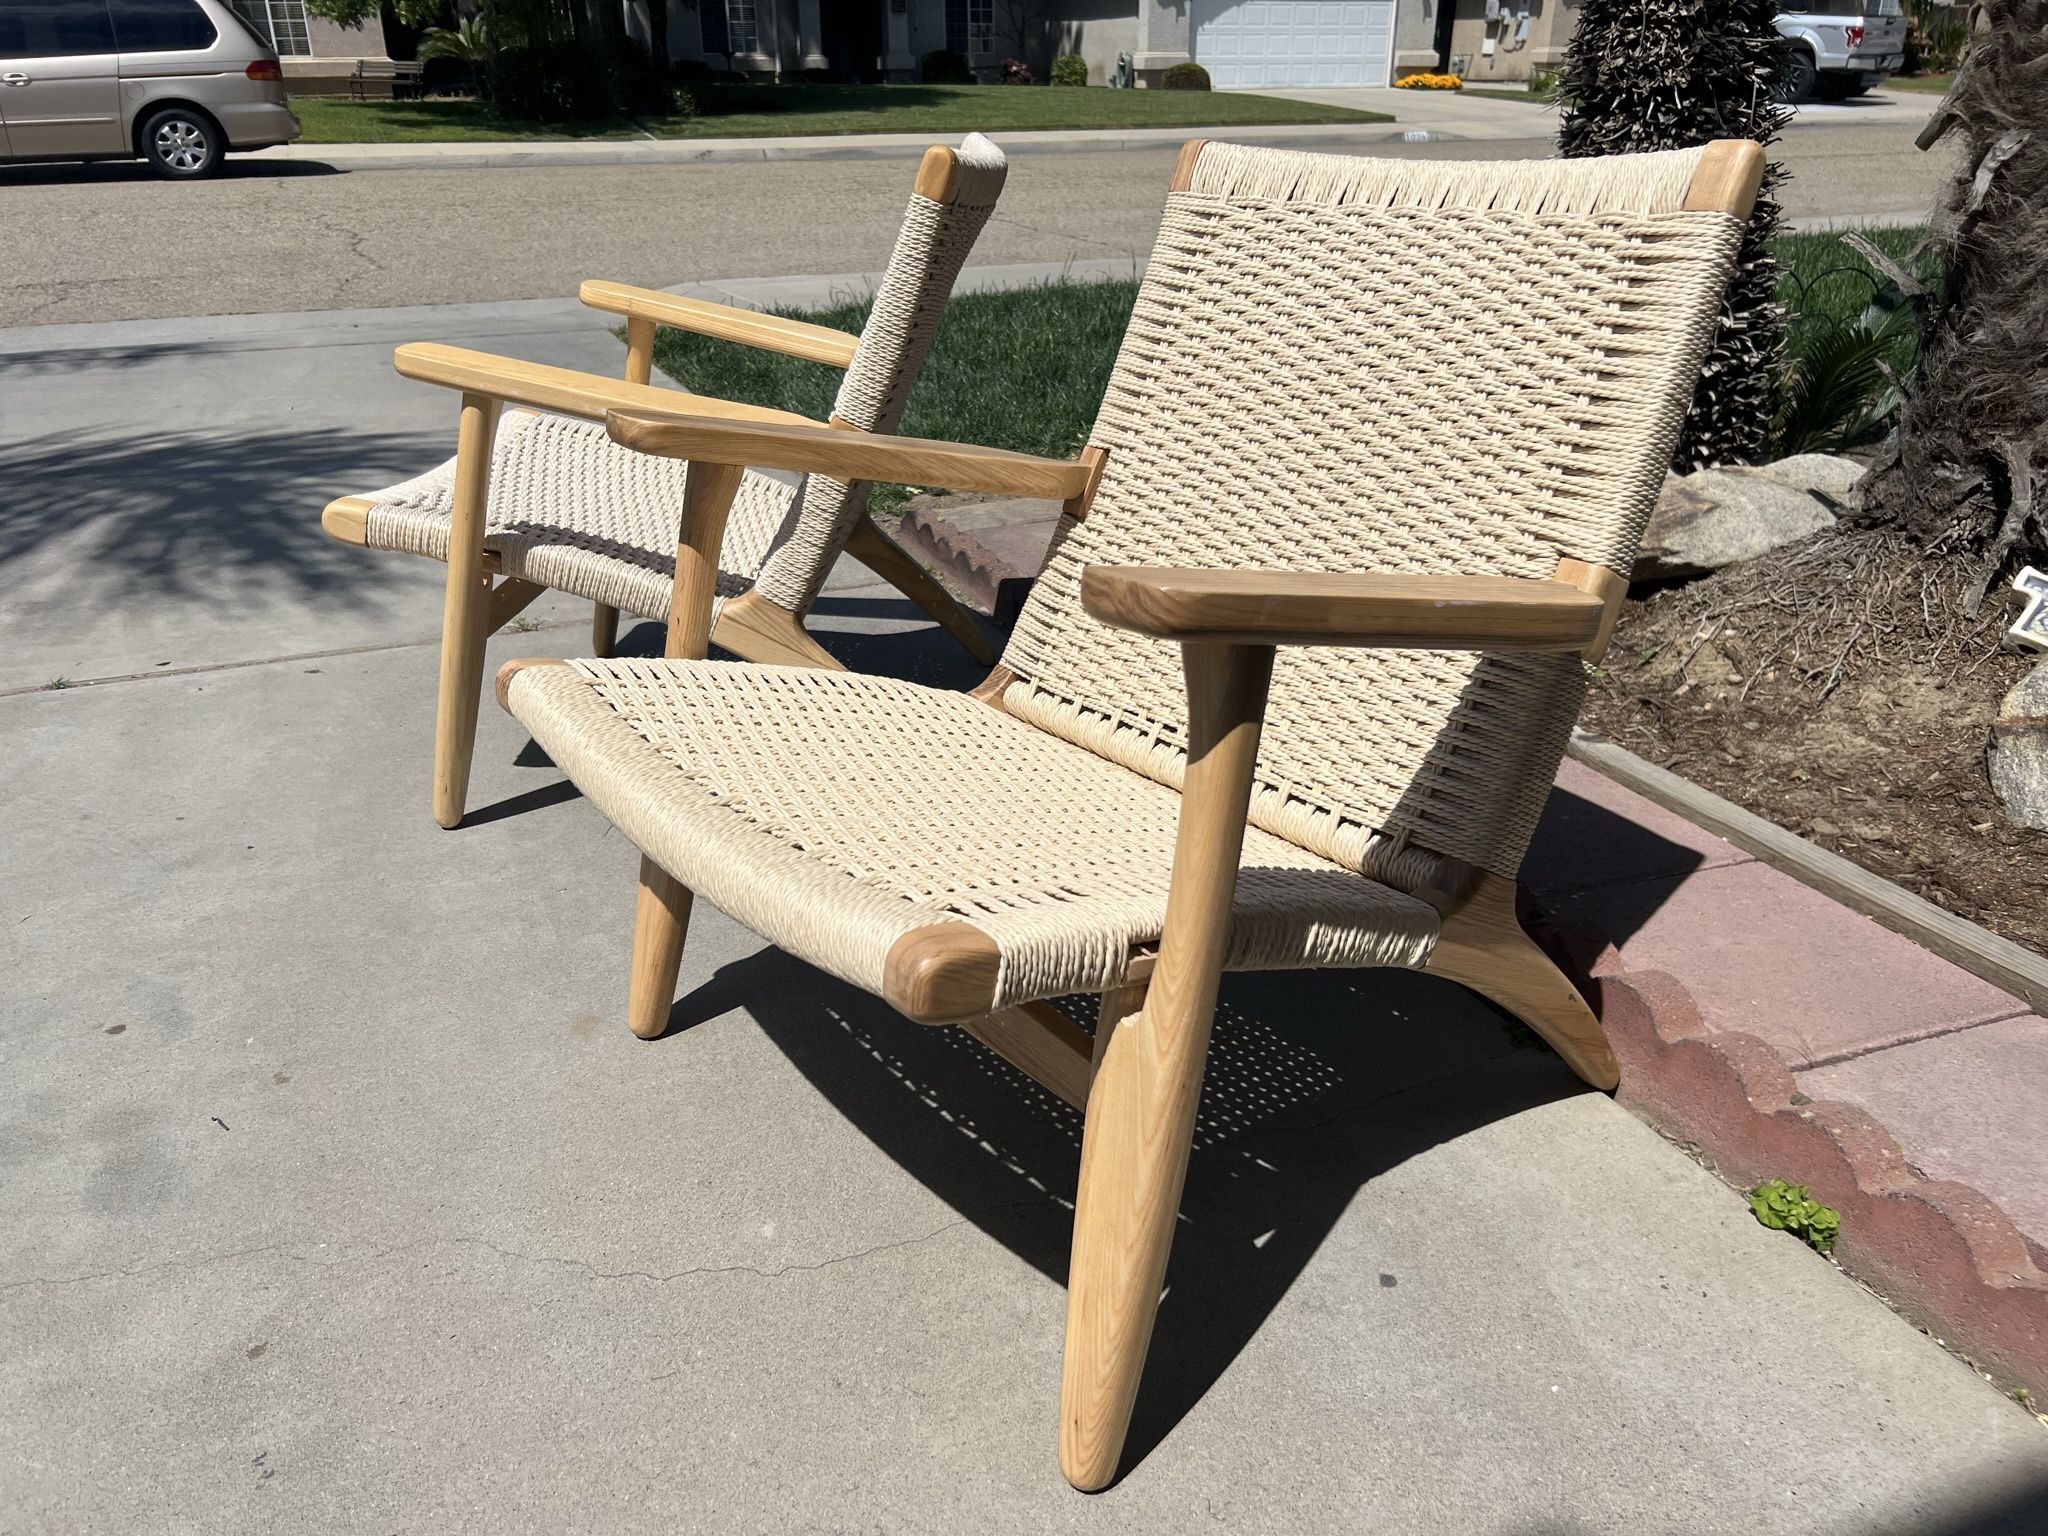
[1401,421]
[546,501]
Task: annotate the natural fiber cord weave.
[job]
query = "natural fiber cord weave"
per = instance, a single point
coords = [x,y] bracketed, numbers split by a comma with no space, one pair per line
[1341,364]
[1334,365]
[573,510]
[833,813]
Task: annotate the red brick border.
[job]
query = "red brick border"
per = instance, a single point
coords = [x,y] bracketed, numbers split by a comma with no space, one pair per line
[1943,1254]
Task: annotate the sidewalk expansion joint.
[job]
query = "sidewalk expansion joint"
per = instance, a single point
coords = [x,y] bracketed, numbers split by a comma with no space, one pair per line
[70,683]
[1857,1053]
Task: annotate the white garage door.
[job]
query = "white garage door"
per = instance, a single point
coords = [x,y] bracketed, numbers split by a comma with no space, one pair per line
[1250,43]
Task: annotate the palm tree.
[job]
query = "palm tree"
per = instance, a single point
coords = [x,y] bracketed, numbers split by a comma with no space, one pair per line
[1970,457]
[1671,74]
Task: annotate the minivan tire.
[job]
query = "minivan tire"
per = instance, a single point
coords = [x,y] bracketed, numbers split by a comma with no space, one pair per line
[181,144]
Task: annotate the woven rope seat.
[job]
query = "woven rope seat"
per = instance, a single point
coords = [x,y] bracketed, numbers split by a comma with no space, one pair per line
[572,510]
[740,782]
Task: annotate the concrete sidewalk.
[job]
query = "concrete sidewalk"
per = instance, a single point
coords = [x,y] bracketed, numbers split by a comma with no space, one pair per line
[335,1196]
[1417,117]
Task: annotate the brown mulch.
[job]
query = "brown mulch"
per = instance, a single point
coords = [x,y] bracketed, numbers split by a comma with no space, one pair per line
[1835,688]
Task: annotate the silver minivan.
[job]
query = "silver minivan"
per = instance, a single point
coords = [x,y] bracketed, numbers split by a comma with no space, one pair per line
[177,82]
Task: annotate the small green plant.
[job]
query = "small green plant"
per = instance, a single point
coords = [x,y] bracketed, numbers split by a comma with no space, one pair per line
[55,683]
[1070,69]
[1791,1208]
[525,624]
[1185,77]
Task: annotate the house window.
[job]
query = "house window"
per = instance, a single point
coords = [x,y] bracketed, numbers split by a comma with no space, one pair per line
[729,27]
[970,26]
[280,23]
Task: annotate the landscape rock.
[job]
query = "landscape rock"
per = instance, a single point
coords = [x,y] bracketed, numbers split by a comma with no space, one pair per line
[2019,751]
[1715,517]
[1833,476]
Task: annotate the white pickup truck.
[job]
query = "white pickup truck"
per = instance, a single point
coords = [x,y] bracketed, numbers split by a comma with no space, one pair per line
[1839,47]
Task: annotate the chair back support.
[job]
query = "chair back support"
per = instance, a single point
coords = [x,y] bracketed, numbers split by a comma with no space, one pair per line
[931,248]
[1345,364]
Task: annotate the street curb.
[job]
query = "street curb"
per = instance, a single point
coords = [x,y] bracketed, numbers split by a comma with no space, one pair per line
[882,146]
[1941,1252]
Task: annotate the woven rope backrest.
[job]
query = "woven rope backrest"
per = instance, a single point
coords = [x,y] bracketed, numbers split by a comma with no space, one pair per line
[930,249]
[1377,365]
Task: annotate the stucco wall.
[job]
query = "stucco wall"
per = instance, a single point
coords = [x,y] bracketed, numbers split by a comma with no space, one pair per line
[1550,28]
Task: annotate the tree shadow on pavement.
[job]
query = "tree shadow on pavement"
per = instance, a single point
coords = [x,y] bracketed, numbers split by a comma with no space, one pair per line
[113,172]
[186,515]
[1283,1138]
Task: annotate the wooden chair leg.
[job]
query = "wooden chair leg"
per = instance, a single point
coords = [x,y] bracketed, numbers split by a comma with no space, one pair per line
[465,612]
[1482,945]
[604,629]
[1141,1107]
[661,912]
[661,921]
[880,554]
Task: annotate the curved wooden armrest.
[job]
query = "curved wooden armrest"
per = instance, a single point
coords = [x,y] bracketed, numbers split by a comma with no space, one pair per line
[846,453]
[726,322]
[562,389]
[1451,613]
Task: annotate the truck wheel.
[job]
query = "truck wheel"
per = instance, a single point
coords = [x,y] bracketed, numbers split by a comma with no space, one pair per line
[181,144]
[1797,76]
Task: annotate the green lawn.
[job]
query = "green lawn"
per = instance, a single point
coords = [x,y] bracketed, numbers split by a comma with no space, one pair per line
[750,111]
[1021,369]
[1934,83]
[1025,368]
[1531,98]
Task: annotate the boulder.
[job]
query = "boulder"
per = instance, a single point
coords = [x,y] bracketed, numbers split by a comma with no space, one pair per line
[1715,517]
[2019,751]
[1833,476]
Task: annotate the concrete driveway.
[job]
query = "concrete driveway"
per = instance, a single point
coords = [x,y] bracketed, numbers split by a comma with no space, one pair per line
[334,1196]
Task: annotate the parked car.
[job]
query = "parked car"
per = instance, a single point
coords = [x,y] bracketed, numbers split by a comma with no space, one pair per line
[178,83]
[1839,47]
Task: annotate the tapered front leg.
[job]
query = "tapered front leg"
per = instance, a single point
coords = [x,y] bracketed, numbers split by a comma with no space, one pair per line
[1148,1076]
[661,921]
[464,611]
[661,913]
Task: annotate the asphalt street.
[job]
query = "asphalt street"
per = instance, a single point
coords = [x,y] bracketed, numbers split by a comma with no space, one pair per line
[110,243]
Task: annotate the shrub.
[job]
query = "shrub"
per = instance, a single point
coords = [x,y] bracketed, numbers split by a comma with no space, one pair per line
[566,82]
[945,67]
[1017,72]
[549,83]
[636,85]
[702,72]
[1070,69]
[1185,77]
[1423,80]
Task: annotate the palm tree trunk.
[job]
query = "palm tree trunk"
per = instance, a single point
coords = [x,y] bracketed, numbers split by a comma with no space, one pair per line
[1970,457]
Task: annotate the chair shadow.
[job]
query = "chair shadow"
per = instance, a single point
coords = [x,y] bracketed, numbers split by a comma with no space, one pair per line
[1304,1102]
[1598,877]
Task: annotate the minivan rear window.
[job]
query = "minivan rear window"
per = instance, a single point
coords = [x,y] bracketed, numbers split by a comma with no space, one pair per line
[154,26]
[39,29]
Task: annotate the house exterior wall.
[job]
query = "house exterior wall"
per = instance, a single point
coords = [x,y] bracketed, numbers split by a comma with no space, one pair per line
[1550,29]
[788,38]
